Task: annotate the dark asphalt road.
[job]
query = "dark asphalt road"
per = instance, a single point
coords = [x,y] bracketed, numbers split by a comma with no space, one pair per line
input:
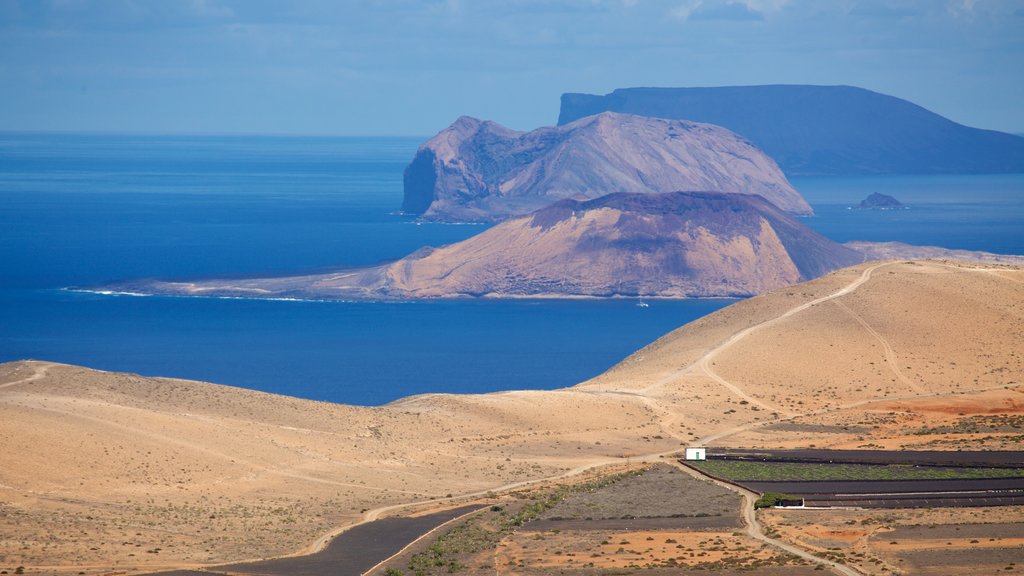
[350,554]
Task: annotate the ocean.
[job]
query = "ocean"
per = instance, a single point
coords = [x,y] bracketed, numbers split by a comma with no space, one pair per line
[81,210]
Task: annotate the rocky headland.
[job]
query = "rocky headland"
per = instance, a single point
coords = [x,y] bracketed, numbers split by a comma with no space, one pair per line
[480,171]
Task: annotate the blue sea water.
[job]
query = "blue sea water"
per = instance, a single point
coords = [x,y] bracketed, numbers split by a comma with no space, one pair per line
[970,212]
[80,210]
[83,210]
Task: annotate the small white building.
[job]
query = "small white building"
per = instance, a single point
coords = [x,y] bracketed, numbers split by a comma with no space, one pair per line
[696,454]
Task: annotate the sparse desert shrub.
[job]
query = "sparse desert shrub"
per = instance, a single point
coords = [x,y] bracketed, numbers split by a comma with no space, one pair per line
[770,499]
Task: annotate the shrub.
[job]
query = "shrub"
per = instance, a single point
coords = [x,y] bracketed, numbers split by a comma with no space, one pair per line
[771,499]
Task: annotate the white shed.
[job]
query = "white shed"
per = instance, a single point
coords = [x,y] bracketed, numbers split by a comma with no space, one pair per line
[696,454]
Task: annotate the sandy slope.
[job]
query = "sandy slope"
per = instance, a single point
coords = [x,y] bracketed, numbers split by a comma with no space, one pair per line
[103,471]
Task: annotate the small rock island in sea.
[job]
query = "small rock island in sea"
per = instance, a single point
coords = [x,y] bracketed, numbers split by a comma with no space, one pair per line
[878,201]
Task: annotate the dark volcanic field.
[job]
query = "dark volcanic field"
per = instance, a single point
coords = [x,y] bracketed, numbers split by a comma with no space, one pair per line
[994,458]
[901,493]
[889,493]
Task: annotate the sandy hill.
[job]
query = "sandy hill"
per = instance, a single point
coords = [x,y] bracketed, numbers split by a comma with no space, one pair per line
[478,171]
[104,471]
[822,129]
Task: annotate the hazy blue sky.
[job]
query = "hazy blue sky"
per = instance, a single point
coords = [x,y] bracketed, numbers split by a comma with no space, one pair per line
[412,67]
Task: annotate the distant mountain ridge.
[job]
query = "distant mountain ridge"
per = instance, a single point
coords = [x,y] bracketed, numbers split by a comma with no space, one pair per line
[476,170]
[822,130]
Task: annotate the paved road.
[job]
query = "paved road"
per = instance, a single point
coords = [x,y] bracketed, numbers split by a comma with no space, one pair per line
[352,553]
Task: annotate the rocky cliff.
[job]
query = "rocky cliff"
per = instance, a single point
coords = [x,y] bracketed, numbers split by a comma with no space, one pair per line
[480,171]
[822,129]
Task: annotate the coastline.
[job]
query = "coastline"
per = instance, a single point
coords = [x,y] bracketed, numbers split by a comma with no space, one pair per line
[213,449]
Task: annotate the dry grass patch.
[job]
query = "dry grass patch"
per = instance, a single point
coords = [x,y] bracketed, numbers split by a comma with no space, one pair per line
[529,552]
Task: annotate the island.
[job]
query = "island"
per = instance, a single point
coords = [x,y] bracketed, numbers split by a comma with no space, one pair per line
[822,130]
[877,201]
[672,245]
[480,171]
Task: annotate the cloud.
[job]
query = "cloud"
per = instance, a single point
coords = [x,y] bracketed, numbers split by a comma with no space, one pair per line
[210,9]
[884,10]
[963,9]
[717,10]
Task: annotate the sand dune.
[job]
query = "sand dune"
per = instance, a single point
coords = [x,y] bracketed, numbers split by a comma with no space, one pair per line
[102,471]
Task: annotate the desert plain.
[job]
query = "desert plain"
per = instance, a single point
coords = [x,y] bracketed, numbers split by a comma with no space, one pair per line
[104,473]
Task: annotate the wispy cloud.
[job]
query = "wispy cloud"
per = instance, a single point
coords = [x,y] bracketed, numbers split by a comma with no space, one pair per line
[728,10]
[308,63]
[883,9]
[736,11]
[211,9]
[962,8]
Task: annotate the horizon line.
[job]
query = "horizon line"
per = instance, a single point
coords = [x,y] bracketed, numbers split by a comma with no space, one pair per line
[71,132]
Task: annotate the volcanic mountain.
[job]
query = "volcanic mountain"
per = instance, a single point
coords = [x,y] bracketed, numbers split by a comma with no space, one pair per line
[482,172]
[822,129]
[680,244]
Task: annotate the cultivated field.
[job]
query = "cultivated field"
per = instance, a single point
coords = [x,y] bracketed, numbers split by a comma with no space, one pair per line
[659,520]
[930,542]
[859,478]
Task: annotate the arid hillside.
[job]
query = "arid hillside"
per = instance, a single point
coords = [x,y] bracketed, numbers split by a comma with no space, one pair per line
[102,472]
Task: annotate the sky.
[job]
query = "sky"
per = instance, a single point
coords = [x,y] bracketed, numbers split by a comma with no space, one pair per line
[405,67]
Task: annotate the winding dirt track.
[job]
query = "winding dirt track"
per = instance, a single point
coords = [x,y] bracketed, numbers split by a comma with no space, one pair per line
[703,364]
[890,354]
[668,417]
[754,527]
[40,370]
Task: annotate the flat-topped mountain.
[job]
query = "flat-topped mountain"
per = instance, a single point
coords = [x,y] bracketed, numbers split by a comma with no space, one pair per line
[822,129]
[680,244]
[481,171]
